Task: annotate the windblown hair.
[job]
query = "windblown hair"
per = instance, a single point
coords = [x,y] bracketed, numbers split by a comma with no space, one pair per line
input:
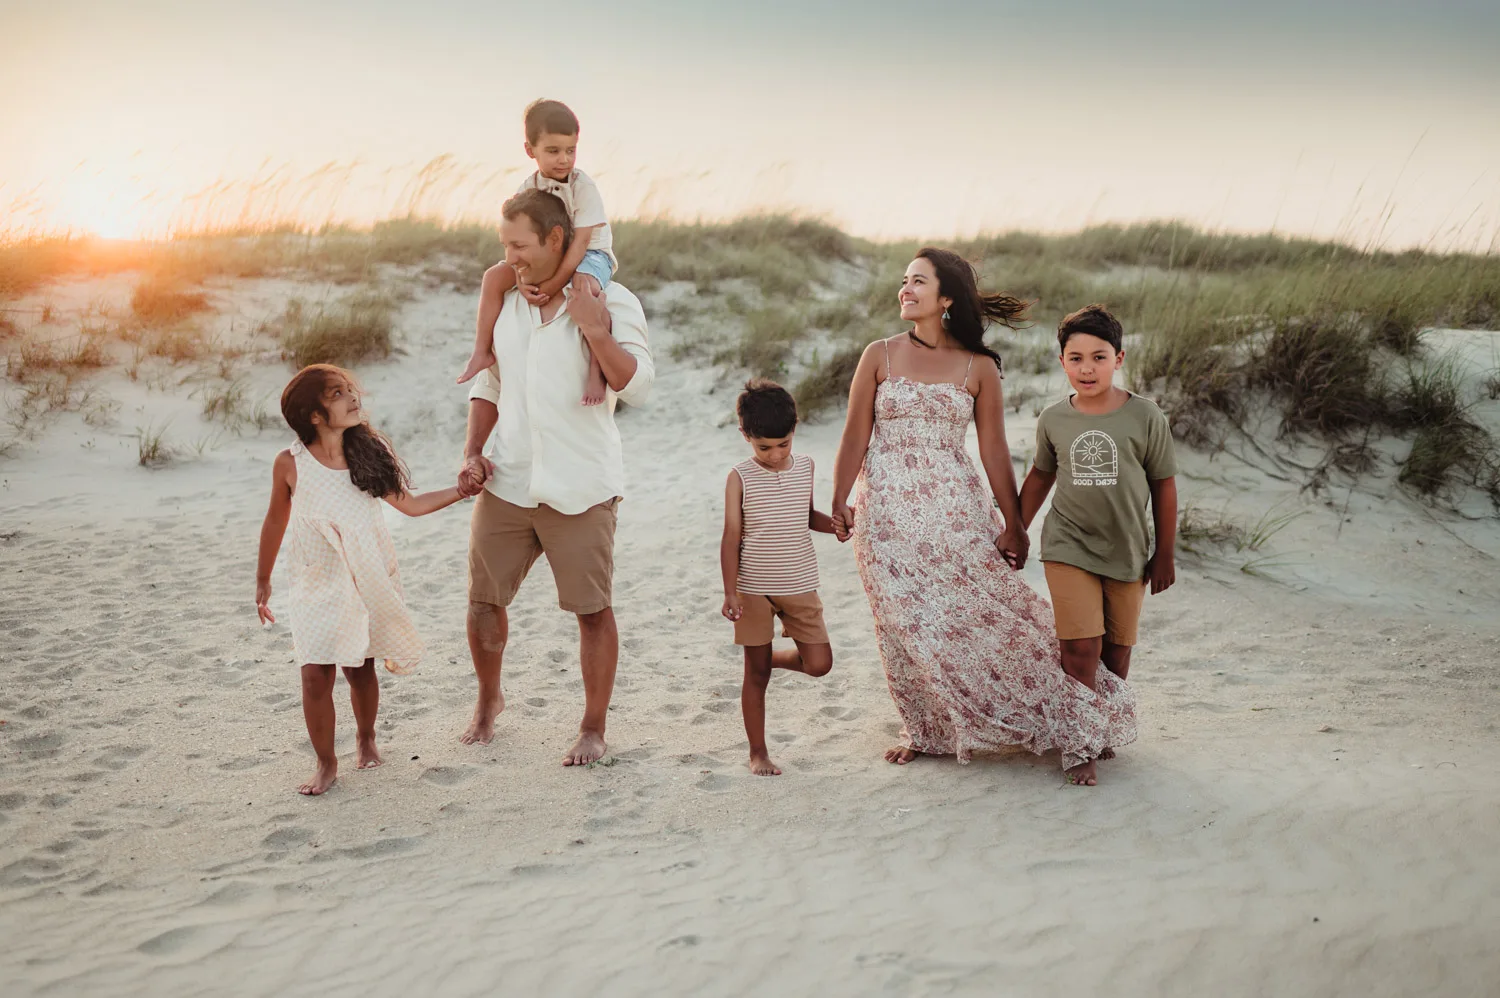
[766,410]
[373,464]
[971,311]
[545,211]
[1095,320]
[549,117]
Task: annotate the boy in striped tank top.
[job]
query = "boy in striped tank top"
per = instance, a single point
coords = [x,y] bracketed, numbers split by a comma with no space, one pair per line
[770,568]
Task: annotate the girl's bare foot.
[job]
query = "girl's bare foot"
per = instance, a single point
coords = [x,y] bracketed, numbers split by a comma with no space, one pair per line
[325,777]
[369,755]
[589,748]
[1082,776]
[482,729]
[901,755]
[761,765]
[594,388]
[1108,753]
[477,362]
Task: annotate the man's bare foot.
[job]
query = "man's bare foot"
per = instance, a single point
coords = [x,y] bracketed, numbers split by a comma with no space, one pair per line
[594,388]
[369,755]
[589,748]
[901,755]
[1108,753]
[477,362]
[1082,776]
[324,778]
[761,765]
[482,729]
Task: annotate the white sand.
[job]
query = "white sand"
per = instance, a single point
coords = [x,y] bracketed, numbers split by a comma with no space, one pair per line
[1310,809]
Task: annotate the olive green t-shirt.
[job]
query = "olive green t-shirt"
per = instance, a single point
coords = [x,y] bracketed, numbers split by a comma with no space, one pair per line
[1099,520]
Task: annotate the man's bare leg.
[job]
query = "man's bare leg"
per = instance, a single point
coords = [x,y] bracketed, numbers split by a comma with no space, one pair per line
[489,628]
[317,711]
[599,653]
[364,697]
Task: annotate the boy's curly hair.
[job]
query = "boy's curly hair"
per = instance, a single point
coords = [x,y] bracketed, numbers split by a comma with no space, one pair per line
[766,410]
[1095,320]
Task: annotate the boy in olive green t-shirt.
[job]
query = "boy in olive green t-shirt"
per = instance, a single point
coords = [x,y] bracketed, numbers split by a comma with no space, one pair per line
[1110,453]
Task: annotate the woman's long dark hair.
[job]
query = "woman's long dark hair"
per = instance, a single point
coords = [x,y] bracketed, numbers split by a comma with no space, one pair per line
[373,464]
[971,310]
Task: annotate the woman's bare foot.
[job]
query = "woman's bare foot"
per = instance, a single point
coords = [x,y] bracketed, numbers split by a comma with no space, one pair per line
[589,748]
[594,388]
[1108,753]
[901,755]
[325,777]
[1082,776]
[482,729]
[369,755]
[477,362]
[761,765]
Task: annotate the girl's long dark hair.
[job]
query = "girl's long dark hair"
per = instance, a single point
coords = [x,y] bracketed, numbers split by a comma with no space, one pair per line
[971,310]
[373,464]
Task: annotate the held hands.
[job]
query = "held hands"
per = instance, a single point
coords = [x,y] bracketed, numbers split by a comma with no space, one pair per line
[1014,545]
[476,470]
[262,602]
[843,521]
[732,609]
[1161,572]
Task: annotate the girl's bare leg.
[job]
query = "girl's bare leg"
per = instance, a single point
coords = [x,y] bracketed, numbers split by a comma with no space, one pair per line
[317,711]
[364,696]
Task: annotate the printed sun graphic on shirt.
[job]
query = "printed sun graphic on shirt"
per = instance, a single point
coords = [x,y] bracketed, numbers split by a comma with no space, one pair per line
[1094,457]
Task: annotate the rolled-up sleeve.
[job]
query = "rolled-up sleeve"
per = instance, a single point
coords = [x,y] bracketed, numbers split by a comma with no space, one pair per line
[486,387]
[628,327]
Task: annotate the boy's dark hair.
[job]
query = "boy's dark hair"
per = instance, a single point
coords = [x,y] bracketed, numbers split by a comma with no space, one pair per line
[1094,320]
[546,212]
[766,410]
[549,116]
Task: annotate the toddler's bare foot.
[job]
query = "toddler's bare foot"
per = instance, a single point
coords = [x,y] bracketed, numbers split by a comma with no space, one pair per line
[901,755]
[1083,776]
[1108,753]
[369,755]
[593,390]
[589,748]
[761,765]
[477,362]
[325,777]
[482,729]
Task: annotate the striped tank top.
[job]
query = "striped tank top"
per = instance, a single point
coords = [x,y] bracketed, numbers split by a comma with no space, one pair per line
[776,548]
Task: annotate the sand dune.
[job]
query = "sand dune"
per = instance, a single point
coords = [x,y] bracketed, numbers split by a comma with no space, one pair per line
[1309,810]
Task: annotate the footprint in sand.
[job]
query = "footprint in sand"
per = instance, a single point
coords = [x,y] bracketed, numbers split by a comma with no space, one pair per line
[40,746]
[721,706]
[536,701]
[287,838]
[9,802]
[447,776]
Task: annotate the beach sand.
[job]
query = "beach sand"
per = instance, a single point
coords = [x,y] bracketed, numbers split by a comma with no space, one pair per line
[1310,809]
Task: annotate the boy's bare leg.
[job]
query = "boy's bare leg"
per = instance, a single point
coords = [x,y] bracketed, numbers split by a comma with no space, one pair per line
[809,659]
[1117,660]
[491,298]
[595,387]
[1080,660]
[364,697]
[759,661]
[317,711]
[599,653]
[488,628]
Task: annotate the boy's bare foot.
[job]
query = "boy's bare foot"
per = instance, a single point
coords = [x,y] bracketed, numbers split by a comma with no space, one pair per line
[594,388]
[477,362]
[369,755]
[589,748]
[1108,753]
[761,765]
[1083,776]
[482,729]
[325,777]
[901,755]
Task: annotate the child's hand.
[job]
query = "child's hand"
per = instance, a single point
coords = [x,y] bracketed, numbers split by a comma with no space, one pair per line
[1014,545]
[262,601]
[843,522]
[534,294]
[1161,572]
[732,609]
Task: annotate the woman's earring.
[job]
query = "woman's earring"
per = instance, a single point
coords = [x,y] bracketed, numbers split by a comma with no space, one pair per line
[945,318]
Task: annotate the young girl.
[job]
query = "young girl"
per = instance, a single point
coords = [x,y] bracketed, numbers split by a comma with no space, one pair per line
[347,608]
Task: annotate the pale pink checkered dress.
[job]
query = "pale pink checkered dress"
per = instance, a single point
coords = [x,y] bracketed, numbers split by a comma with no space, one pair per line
[346,588]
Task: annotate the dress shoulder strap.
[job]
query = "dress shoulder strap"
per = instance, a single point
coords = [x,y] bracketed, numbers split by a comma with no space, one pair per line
[967,371]
[887,345]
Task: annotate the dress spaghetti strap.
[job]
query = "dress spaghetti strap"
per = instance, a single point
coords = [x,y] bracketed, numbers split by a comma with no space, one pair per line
[887,345]
[964,384]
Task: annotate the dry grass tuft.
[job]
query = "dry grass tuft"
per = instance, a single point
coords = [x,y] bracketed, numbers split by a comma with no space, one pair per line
[356,329]
[160,300]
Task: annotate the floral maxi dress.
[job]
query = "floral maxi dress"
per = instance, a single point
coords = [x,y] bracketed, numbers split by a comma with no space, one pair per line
[970,651]
[346,600]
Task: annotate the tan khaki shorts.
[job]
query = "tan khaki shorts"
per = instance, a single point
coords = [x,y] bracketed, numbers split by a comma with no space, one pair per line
[1088,605]
[801,619]
[505,540]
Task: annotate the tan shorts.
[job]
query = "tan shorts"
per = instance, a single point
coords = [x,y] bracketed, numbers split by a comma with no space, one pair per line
[1088,605]
[505,540]
[801,619]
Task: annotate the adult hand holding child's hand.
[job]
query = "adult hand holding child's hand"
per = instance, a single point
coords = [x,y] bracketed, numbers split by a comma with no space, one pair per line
[476,470]
[843,521]
[1014,546]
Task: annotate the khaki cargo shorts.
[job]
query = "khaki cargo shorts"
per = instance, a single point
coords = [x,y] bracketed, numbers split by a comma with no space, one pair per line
[1088,605]
[505,540]
[801,619]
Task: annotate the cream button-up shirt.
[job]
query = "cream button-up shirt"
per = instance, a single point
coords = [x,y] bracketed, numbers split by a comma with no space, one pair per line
[548,448]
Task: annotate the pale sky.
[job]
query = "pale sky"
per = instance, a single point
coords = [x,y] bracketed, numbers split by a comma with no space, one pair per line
[1361,119]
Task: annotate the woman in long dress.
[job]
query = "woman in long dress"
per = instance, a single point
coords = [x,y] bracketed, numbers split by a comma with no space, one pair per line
[969,649]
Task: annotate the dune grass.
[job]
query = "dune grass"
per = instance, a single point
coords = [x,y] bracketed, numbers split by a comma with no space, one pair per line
[345,332]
